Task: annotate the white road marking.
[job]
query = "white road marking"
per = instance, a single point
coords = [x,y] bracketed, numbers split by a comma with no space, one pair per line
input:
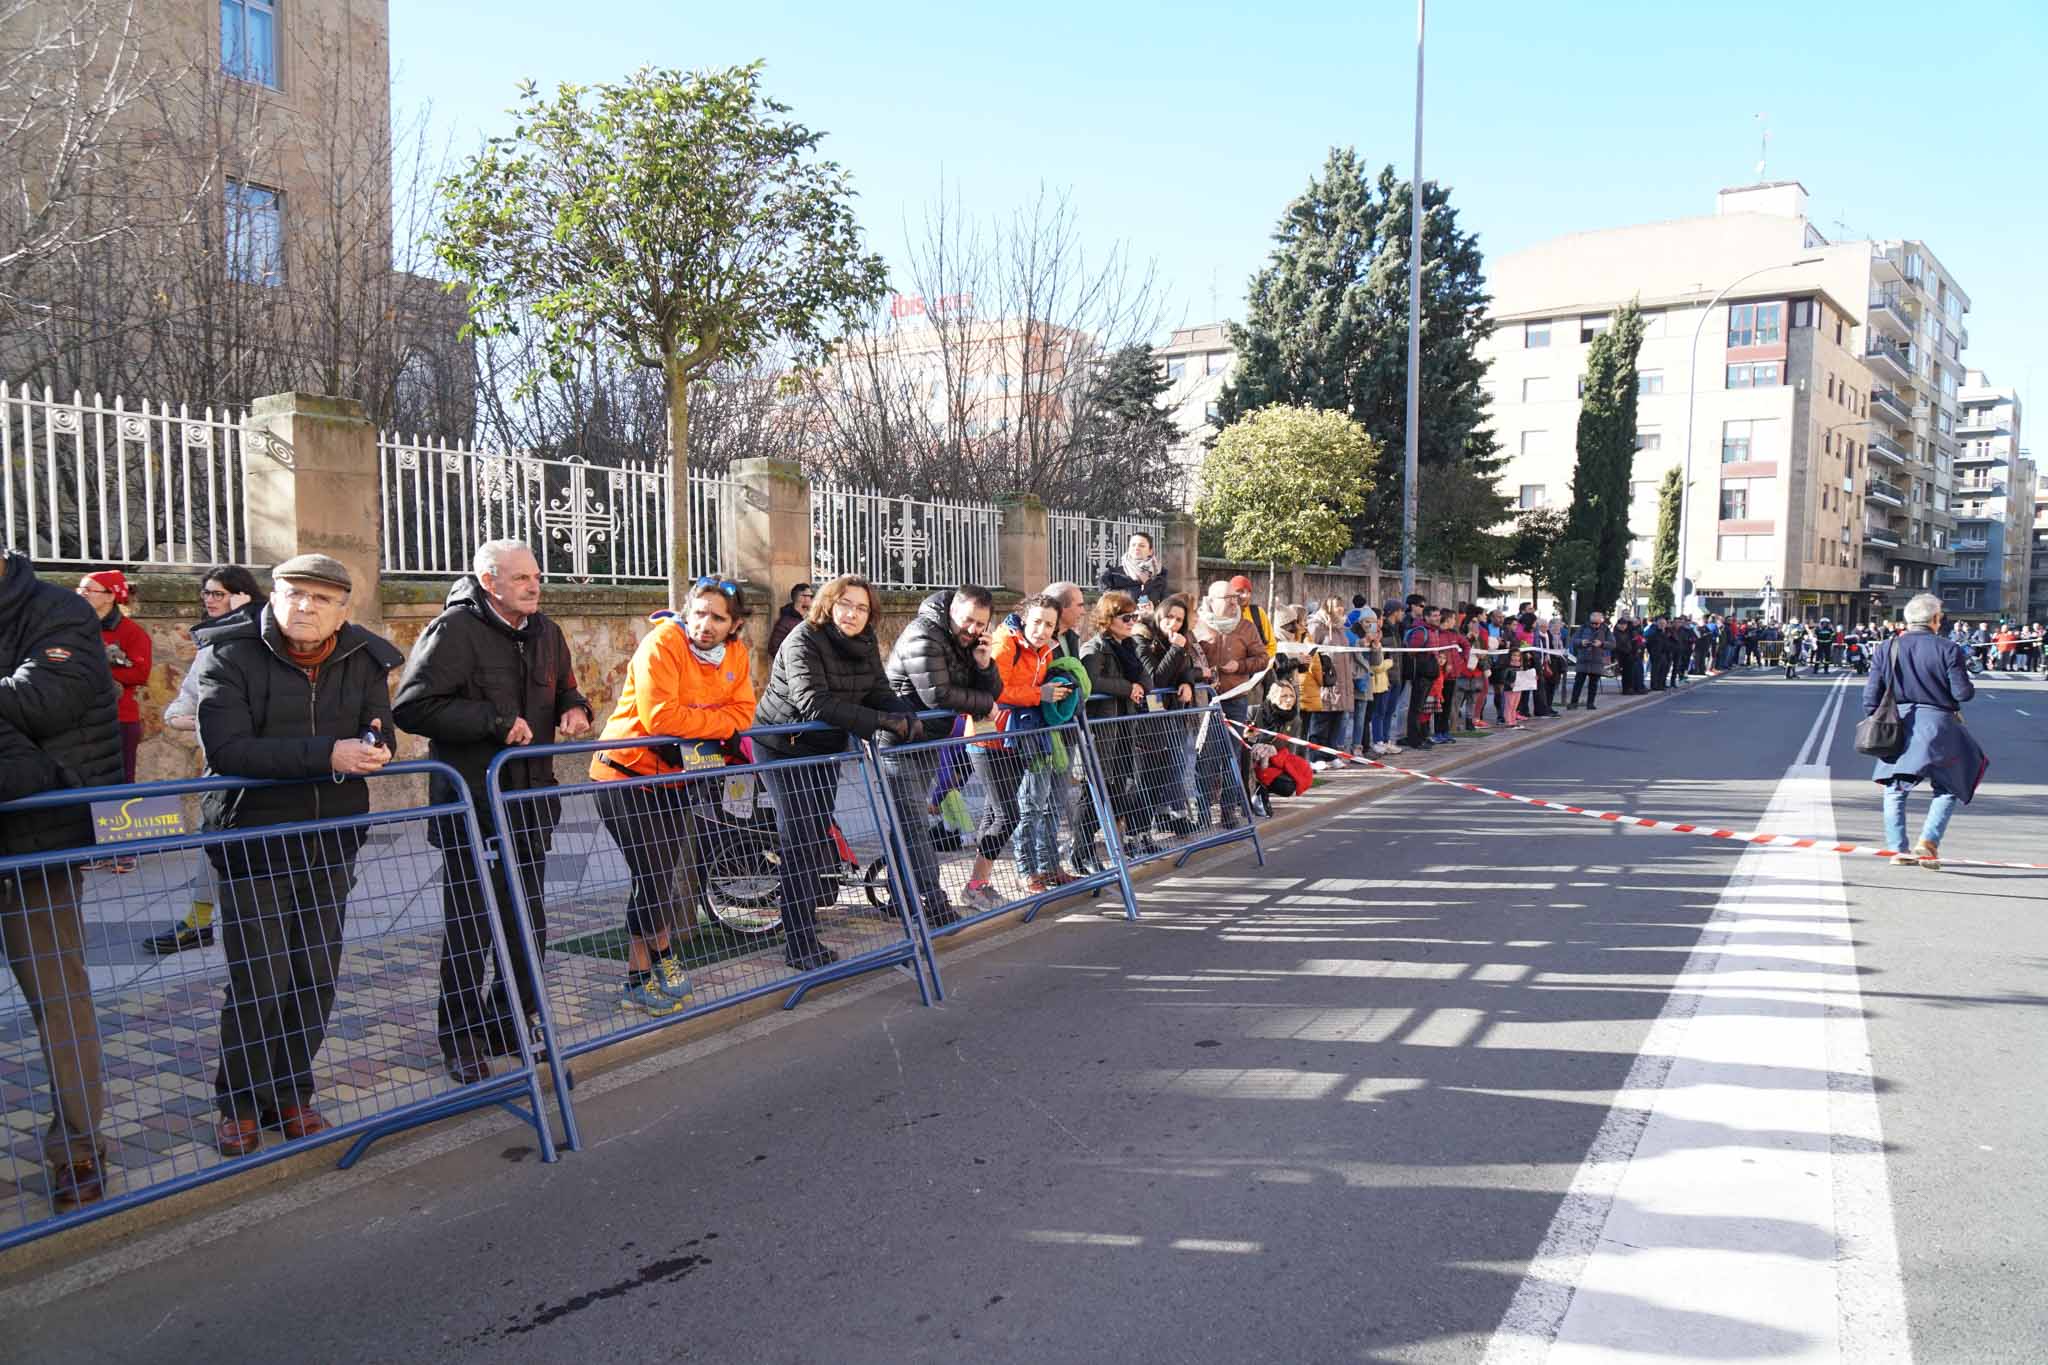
[1735,1204]
[2016,710]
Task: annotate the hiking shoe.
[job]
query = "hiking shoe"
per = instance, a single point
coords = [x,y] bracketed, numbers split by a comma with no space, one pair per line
[669,979]
[1037,885]
[178,938]
[982,896]
[647,997]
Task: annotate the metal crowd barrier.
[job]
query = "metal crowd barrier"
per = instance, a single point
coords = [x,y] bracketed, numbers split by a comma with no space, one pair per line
[330,997]
[1175,781]
[661,898]
[1000,822]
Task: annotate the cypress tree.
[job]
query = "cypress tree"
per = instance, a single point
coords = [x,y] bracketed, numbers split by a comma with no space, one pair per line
[1607,452]
[1664,563]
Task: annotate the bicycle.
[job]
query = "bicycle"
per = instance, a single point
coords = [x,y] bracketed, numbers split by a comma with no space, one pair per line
[742,862]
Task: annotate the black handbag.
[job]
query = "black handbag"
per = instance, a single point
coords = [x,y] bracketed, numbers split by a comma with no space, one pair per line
[1882,733]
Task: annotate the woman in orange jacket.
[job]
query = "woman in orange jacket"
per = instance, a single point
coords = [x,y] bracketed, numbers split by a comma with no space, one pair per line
[688,682]
[1024,646]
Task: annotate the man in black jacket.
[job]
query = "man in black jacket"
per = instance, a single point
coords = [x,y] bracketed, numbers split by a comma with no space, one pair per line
[290,691]
[58,730]
[941,662]
[491,673]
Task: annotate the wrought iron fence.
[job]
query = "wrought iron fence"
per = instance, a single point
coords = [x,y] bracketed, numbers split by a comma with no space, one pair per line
[904,542]
[1083,546]
[586,523]
[92,483]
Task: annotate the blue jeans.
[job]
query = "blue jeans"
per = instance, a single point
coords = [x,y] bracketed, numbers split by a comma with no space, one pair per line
[1938,814]
[1383,708]
[1361,723]
[1038,824]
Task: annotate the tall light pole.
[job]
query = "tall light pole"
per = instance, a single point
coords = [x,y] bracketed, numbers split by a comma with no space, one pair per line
[1692,374]
[1414,324]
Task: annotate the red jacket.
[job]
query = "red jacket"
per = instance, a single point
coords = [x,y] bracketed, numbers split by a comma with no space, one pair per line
[118,631]
[1290,764]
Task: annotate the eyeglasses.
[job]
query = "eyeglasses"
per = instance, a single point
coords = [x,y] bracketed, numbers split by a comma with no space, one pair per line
[725,586]
[213,595]
[299,597]
[94,591]
[1127,616]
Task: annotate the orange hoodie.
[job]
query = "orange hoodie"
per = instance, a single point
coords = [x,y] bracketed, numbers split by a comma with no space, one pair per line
[670,691]
[1022,669]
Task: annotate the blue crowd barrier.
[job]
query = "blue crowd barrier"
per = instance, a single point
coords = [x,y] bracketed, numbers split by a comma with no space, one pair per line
[1176,781]
[706,863]
[352,902]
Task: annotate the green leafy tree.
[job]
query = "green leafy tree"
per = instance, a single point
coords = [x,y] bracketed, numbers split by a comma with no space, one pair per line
[1664,564]
[1527,552]
[1566,571]
[1280,482]
[674,219]
[1326,326]
[1607,453]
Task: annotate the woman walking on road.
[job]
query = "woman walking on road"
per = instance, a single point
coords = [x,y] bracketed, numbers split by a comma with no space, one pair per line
[1929,676]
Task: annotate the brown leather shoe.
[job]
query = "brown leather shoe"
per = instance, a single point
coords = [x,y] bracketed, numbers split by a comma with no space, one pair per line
[80,1182]
[298,1122]
[237,1137]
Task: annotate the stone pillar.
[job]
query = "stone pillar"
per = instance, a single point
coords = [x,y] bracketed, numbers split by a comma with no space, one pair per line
[1182,556]
[309,474]
[1024,545]
[771,543]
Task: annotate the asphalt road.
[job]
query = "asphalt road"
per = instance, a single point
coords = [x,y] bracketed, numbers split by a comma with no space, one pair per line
[1337,1109]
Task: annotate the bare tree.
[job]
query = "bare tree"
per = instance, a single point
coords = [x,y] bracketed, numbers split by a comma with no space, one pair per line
[984,377]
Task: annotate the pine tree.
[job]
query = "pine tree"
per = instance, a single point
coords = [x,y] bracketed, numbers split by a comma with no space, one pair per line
[1664,564]
[1326,326]
[1607,452]
[1127,442]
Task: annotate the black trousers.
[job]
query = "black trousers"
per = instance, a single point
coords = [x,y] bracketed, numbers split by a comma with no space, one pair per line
[910,778]
[1001,772]
[805,796]
[1589,684]
[652,826]
[476,1021]
[282,932]
[1418,688]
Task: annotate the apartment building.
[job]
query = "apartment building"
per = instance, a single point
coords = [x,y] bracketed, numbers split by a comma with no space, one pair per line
[1993,502]
[1197,362]
[1806,466]
[2037,574]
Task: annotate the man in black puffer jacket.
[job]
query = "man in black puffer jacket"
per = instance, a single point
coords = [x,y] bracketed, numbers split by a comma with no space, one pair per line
[287,691]
[941,662]
[58,731]
[491,673]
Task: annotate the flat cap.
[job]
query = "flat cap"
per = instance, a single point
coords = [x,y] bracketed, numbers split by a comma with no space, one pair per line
[315,568]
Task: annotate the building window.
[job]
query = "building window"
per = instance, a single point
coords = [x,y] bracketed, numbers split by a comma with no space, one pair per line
[1592,326]
[248,40]
[1216,362]
[1649,438]
[1831,386]
[1534,390]
[1973,598]
[1536,335]
[1756,324]
[1805,313]
[1212,412]
[1532,443]
[1175,368]
[1744,549]
[1762,376]
[1734,501]
[1649,381]
[1533,495]
[1582,386]
[255,234]
[1749,438]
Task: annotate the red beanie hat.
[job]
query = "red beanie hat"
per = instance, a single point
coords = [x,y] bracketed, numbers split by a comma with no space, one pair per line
[114,582]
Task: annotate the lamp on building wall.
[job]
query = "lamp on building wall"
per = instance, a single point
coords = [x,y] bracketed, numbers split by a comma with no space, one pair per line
[1692,389]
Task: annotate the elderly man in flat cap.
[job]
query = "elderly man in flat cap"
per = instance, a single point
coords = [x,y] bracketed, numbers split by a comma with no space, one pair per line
[288,690]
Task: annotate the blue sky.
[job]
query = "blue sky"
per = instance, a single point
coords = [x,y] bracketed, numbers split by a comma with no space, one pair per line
[1184,129]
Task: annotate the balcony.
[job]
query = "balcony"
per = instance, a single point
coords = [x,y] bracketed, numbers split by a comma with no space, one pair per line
[1891,407]
[1888,359]
[1888,311]
[1970,455]
[1885,448]
[1883,539]
[1883,494]
[1919,554]
[1961,544]
[1981,422]
[1878,582]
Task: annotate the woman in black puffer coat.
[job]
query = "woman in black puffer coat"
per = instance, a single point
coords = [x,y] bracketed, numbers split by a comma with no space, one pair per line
[1118,681]
[1166,752]
[828,669]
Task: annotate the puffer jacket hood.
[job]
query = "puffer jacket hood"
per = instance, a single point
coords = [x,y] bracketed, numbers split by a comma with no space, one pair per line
[58,712]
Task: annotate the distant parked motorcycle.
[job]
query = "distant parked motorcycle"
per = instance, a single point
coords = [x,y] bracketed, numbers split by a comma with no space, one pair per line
[1858,656]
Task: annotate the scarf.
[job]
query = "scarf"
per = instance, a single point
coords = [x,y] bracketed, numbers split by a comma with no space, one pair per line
[1126,652]
[1222,625]
[309,660]
[712,657]
[1148,567]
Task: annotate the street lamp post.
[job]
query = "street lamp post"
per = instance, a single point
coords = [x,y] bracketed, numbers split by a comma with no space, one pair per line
[1414,441]
[1692,367]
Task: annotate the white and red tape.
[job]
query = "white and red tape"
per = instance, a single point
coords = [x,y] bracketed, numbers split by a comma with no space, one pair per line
[1625,820]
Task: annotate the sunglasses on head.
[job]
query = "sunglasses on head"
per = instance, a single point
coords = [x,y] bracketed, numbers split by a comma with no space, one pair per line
[724,585]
